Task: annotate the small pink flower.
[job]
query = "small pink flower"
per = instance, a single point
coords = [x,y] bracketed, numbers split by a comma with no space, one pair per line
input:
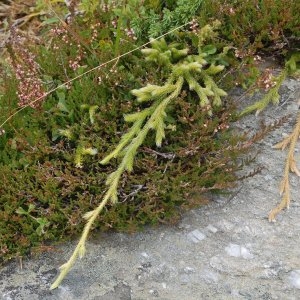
[231,11]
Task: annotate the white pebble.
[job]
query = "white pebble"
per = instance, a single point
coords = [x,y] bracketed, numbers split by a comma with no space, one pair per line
[238,251]
[294,279]
[196,236]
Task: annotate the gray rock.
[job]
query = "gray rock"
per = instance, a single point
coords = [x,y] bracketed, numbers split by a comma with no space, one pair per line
[238,251]
[196,236]
[294,279]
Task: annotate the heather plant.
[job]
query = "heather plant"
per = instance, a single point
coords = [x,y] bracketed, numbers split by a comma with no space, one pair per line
[252,25]
[27,70]
[197,72]
[55,166]
[48,144]
[161,159]
[56,173]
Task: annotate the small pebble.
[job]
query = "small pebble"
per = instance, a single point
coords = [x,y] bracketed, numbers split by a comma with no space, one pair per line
[294,279]
[238,251]
[196,236]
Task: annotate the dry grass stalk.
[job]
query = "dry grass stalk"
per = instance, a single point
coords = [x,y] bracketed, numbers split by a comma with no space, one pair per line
[291,141]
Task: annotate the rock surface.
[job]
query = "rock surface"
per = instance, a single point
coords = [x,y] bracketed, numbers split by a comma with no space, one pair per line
[225,250]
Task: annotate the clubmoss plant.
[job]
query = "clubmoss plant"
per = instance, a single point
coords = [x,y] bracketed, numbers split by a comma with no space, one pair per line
[197,72]
[272,96]
[290,166]
[291,68]
[81,152]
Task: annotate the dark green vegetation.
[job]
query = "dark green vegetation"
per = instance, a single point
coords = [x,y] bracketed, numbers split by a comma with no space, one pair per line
[50,153]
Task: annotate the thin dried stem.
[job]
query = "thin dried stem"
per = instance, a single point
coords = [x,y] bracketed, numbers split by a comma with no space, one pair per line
[290,166]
